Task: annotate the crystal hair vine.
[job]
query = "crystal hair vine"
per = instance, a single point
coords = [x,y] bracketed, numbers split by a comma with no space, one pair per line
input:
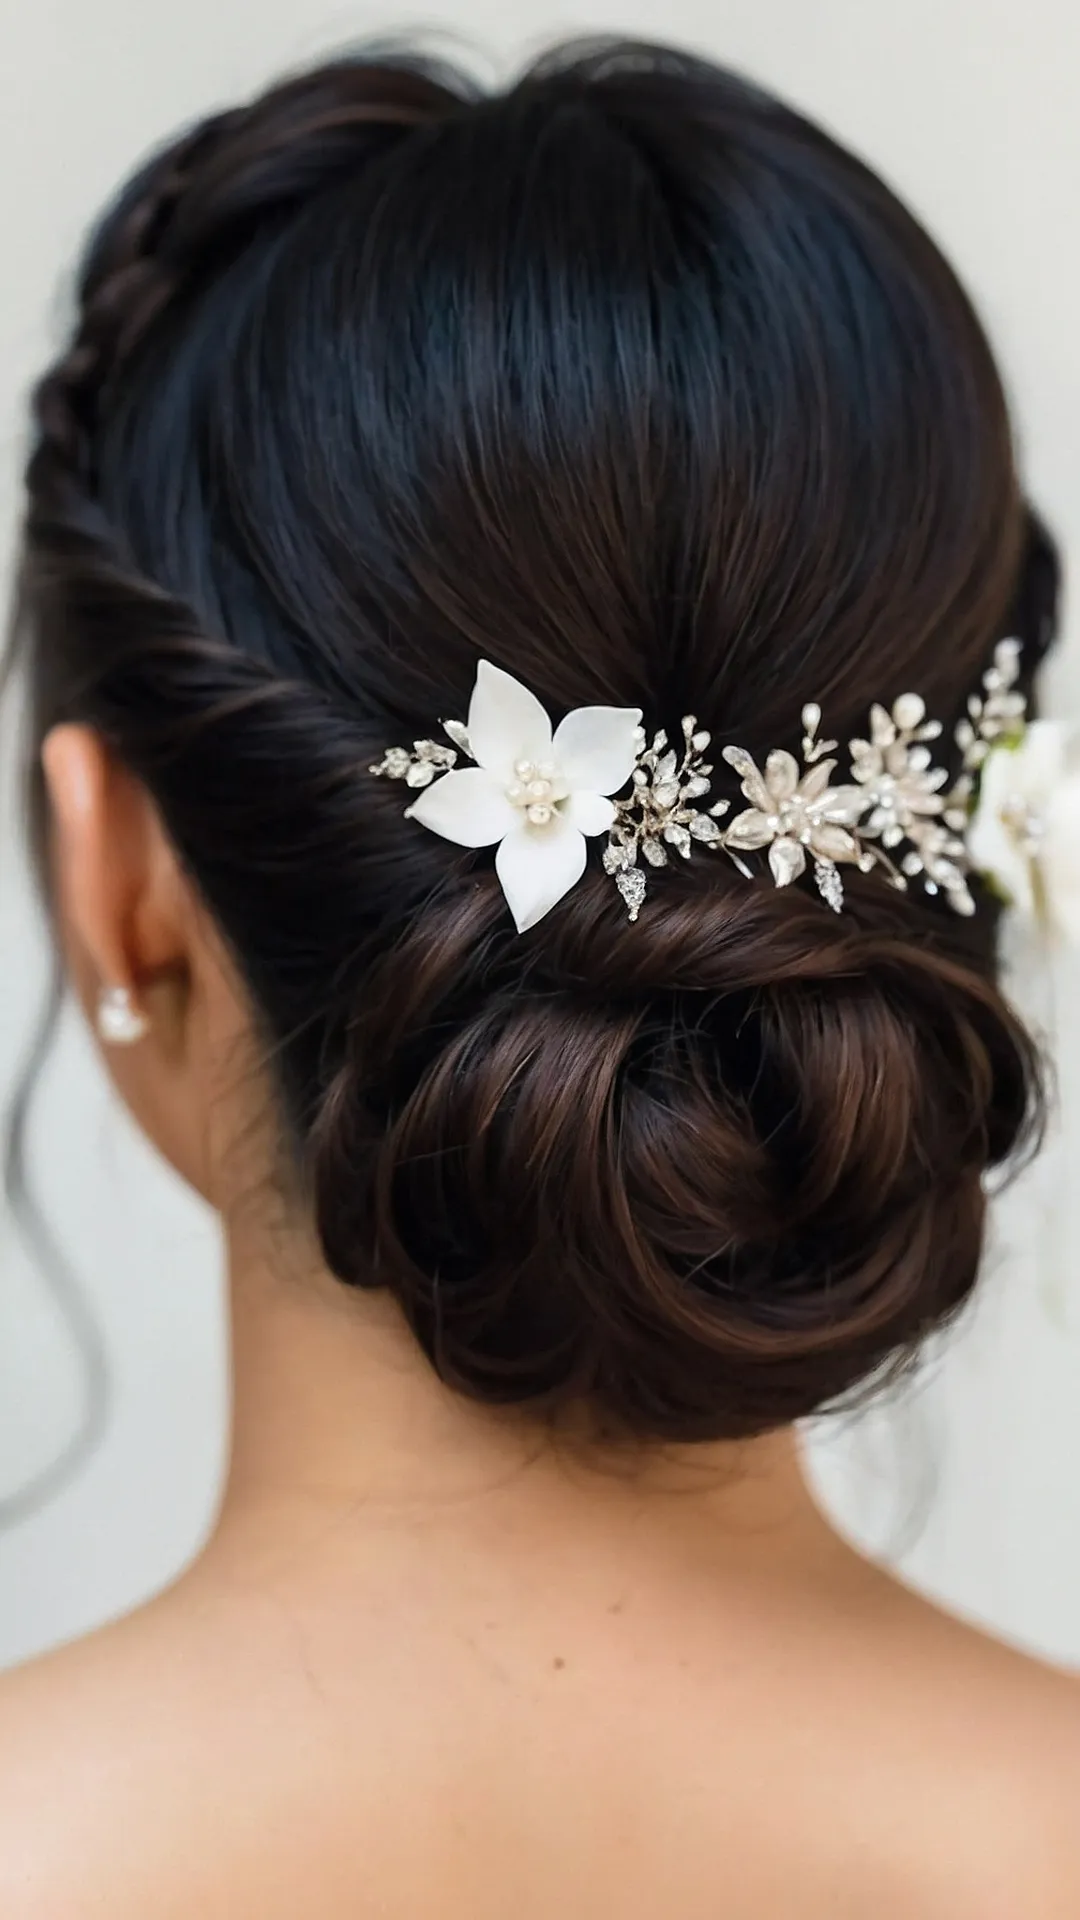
[538,794]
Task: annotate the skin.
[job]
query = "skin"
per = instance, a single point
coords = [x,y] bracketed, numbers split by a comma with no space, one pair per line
[436,1663]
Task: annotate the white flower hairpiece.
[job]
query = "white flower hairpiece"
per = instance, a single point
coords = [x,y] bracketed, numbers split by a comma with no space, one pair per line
[1024,836]
[1011,814]
[535,793]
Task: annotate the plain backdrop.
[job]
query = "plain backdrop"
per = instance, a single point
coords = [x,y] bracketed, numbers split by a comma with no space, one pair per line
[972,1481]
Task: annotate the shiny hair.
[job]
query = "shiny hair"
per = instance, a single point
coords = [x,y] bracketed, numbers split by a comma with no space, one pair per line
[634,382]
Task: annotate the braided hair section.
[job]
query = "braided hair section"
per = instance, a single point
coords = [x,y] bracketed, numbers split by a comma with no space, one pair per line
[185,216]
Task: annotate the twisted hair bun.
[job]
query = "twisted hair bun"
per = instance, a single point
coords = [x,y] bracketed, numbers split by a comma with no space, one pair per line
[707,1171]
[634,382]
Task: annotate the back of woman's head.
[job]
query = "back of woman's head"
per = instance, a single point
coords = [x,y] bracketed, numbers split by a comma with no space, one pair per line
[634,383]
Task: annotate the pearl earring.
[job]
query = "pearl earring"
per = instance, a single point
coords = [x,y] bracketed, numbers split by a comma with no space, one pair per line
[119,1021]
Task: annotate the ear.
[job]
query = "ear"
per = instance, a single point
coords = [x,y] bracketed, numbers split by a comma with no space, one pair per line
[129,918]
[115,879]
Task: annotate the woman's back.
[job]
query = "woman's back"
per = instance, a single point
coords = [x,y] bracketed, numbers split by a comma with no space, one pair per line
[539,1693]
[582,1109]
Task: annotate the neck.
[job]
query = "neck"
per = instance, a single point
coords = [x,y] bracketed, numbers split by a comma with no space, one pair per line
[334,1404]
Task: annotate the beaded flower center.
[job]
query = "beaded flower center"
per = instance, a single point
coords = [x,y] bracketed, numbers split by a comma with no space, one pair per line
[793,818]
[537,787]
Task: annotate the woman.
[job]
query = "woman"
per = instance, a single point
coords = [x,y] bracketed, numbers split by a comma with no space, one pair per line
[570,1143]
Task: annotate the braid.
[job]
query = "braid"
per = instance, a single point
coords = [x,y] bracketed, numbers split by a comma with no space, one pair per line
[192,199]
[125,283]
[190,208]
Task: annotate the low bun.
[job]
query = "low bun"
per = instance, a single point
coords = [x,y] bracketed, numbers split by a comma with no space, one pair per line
[708,1179]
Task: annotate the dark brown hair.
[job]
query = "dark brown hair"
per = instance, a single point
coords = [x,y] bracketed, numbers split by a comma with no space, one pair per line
[634,382]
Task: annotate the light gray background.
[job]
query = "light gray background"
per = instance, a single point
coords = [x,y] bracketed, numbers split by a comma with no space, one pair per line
[968,106]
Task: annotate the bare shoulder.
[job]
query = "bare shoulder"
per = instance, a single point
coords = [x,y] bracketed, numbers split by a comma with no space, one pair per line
[1021,1847]
[126,1766]
[990,1736]
[1022,1833]
[74,1773]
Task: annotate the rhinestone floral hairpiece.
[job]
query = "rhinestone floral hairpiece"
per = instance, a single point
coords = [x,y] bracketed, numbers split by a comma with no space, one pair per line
[537,795]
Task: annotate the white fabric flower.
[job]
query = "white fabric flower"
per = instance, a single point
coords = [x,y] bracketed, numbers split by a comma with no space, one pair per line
[536,794]
[1025,833]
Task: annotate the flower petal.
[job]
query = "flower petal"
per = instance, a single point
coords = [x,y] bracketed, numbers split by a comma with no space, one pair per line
[506,722]
[753,785]
[588,812]
[596,747]
[469,807]
[1063,908]
[749,830]
[1038,766]
[1059,857]
[995,851]
[1062,808]
[536,866]
[882,727]
[909,711]
[844,805]
[814,783]
[787,860]
[833,843]
[781,774]
[922,802]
